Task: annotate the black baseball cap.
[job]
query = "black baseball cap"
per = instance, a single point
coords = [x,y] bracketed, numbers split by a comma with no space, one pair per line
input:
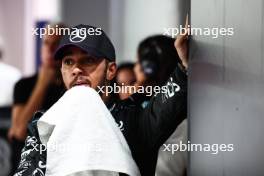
[92,40]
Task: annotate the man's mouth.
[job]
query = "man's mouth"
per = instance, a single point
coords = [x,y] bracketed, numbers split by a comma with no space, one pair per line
[81,83]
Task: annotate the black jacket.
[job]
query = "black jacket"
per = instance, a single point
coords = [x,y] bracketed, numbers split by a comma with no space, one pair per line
[145,129]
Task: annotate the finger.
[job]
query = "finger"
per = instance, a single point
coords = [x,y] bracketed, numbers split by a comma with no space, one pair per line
[187,21]
[187,29]
[181,39]
[187,26]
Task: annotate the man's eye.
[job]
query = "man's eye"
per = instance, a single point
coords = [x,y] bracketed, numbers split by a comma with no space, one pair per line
[68,62]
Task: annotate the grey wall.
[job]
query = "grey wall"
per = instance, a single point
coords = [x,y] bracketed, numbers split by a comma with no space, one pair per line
[86,12]
[12,30]
[226,99]
[126,22]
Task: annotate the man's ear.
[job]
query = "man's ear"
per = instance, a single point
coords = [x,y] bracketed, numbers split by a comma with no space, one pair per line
[111,71]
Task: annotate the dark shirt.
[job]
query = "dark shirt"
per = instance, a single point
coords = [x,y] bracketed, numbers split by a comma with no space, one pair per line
[25,86]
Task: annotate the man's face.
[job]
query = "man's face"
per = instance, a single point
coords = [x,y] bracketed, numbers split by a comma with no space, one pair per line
[49,45]
[80,68]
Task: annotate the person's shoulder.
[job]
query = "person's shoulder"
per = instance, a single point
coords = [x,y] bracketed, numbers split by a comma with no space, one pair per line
[25,81]
[23,89]
[29,78]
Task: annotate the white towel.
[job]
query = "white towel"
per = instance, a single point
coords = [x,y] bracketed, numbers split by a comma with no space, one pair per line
[82,137]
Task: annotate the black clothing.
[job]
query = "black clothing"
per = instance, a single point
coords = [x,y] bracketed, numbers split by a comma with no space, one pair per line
[25,86]
[144,129]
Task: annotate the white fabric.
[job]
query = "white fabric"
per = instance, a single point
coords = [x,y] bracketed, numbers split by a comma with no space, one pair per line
[82,137]
[169,164]
[8,77]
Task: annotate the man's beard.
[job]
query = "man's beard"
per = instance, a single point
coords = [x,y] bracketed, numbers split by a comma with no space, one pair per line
[103,83]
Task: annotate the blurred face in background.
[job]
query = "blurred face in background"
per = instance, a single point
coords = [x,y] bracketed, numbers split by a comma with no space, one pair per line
[49,46]
[125,77]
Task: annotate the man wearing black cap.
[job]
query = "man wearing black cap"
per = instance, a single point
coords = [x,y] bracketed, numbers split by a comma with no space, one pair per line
[90,60]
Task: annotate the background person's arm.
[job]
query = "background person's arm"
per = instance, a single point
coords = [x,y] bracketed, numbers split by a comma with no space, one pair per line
[22,113]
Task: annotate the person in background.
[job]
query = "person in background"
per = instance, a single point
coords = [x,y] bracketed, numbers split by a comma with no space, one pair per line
[37,92]
[156,60]
[125,77]
[157,57]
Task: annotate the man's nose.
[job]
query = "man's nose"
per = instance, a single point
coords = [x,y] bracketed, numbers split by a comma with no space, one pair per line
[77,70]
